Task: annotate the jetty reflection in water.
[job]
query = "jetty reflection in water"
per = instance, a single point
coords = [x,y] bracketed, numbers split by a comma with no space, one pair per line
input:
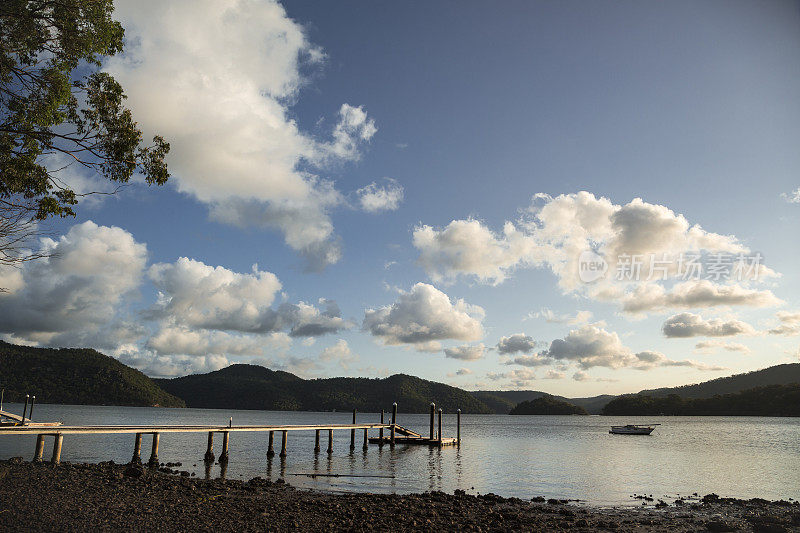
[552,456]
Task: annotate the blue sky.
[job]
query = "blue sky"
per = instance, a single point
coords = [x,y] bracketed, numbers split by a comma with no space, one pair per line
[280,115]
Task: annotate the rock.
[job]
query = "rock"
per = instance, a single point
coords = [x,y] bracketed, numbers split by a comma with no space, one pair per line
[538,499]
[719,526]
[134,471]
[708,498]
[16,460]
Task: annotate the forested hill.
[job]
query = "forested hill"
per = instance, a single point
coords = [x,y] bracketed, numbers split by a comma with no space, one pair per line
[255,387]
[774,375]
[75,376]
[502,401]
[547,405]
[771,400]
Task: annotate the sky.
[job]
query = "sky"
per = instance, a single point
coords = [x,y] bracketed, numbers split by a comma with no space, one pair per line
[560,196]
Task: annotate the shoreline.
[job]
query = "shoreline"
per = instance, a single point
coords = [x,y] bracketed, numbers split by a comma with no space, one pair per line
[108,496]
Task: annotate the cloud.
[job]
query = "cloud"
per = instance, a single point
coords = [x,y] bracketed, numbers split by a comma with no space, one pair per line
[650,359]
[695,294]
[201,296]
[691,325]
[521,377]
[223,103]
[580,317]
[181,340]
[530,361]
[424,316]
[517,343]
[555,232]
[375,198]
[554,374]
[711,346]
[790,323]
[339,353]
[72,297]
[792,197]
[581,376]
[466,352]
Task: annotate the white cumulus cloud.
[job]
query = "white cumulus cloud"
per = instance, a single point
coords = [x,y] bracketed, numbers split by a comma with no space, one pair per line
[467,352]
[692,325]
[375,198]
[422,317]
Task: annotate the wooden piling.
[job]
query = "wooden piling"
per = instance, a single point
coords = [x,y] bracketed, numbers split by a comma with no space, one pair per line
[440,426]
[330,441]
[366,439]
[316,442]
[154,451]
[270,449]
[458,426]
[33,402]
[25,409]
[209,456]
[353,433]
[380,434]
[394,421]
[57,448]
[37,456]
[433,412]
[223,457]
[283,444]
[137,450]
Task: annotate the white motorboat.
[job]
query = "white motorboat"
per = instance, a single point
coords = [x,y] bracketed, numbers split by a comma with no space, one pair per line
[633,429]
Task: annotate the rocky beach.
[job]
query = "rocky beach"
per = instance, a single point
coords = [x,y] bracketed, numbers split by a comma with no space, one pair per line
[108,496]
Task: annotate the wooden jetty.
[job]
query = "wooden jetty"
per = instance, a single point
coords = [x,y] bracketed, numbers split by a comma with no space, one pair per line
[23,426]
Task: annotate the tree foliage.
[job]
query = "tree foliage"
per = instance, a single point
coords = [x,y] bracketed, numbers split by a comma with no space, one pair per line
[56,105]
[771,400]
[75,376]
[547,405]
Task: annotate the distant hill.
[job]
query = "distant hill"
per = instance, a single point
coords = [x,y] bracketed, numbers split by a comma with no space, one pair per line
[771,400]
[76,376]
[255,387]
[774,375]
[547,405]
[502,401]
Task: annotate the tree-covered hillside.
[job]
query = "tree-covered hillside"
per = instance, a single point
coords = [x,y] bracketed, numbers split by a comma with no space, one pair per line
[772,400]
[256,387]
[76,376]
[774,375]
[547,405]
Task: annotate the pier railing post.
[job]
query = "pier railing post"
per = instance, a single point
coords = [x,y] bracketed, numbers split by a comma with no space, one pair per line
[353,433]
[137,450]
[223,457]
[433,412]
[37,456]
[316,442]
[458,426]
[380,434]
[25,409]
[365,438]
[57,448]
[270,449]
[33,402]
[209,456]
[154,451]
[440,426]
[283,444]
[394,421]
[330,441]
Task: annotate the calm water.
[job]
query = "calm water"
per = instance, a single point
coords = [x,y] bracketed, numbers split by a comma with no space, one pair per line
[523,456]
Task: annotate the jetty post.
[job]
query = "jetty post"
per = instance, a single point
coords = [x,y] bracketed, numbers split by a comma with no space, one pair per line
[56,459]
[440,427]
[25,409]
[433,412]
[330,441]
[37,457]
[270,449]
[316,442]
[380,443]
[154,451]
[33,402]
[209,456]
[137,450]
[283,444]
[353,433]
[223,457]
[394,420]
[458,426]
[366,439]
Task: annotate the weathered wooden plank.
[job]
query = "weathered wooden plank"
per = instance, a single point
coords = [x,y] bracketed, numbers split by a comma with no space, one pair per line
[48,430]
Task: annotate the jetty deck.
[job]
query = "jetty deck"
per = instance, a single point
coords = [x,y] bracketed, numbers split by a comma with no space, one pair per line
[398,434]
